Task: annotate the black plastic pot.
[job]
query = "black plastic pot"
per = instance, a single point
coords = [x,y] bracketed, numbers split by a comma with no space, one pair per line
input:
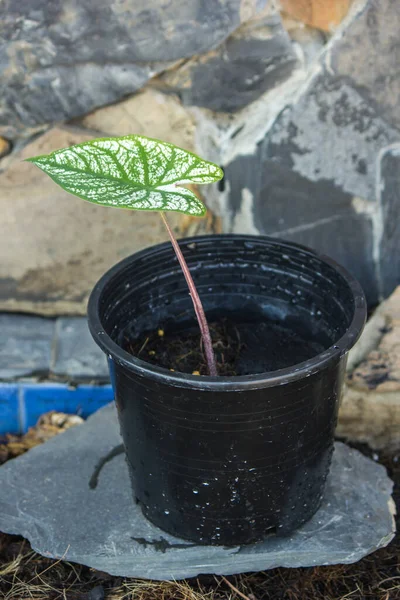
[228,460]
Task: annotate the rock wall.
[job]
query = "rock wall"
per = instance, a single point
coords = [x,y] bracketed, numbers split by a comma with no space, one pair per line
[296,100]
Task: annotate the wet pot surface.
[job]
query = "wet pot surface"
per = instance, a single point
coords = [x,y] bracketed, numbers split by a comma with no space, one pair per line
[228,460]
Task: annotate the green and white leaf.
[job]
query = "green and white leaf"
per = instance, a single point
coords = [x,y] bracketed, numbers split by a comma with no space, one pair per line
[133,172]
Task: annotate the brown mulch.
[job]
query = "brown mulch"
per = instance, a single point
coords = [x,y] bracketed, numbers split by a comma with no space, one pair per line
[24,574]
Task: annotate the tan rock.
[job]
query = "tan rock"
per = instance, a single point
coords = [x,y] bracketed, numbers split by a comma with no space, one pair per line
[55,246]
[322,14]
[370,409]
[150,113]
[371,417]
[5,147]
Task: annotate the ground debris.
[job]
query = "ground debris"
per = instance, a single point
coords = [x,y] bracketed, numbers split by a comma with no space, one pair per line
[49,425]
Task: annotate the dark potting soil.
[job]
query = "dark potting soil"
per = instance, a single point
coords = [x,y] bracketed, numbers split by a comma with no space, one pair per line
[241,348]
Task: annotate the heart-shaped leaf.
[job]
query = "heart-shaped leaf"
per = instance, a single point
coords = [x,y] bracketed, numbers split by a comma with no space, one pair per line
[132,172]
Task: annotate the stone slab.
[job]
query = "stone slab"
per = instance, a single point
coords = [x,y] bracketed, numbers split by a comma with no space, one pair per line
[25,346]
[75,355]
[45,497]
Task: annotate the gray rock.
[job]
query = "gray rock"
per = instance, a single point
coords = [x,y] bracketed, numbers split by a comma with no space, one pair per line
[62,59]
[75,355]
[25,345]
[318,214]
[389,218]
[331,133]
[62,517]
[313,176]
[368,55]
[257,57]
[369,340]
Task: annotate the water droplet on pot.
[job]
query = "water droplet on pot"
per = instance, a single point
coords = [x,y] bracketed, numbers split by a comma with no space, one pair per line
[166,512]
[195,491]
[249,245]
[205,483]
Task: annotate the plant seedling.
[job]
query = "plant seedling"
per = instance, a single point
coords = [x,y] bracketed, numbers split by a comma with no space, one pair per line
[138,173]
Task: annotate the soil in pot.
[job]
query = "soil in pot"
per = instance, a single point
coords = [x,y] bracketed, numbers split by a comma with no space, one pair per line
[241,346]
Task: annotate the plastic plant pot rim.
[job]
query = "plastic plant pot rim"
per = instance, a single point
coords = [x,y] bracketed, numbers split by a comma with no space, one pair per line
[223,383]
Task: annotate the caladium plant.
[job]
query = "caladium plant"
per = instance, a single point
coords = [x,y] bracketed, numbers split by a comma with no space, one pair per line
[138,173]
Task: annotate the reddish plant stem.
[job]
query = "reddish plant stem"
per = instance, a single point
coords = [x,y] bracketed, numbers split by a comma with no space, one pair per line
[198,307]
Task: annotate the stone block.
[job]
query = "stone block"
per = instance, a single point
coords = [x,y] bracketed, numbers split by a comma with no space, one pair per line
[25,346]
[322,150]
[5,147]
[56,246]
[323,14]
[100,525]
[367,55]
[267,196]
[61,59]
[388,218]
[75,355]
[254,59]
[150,113]
[370,409]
